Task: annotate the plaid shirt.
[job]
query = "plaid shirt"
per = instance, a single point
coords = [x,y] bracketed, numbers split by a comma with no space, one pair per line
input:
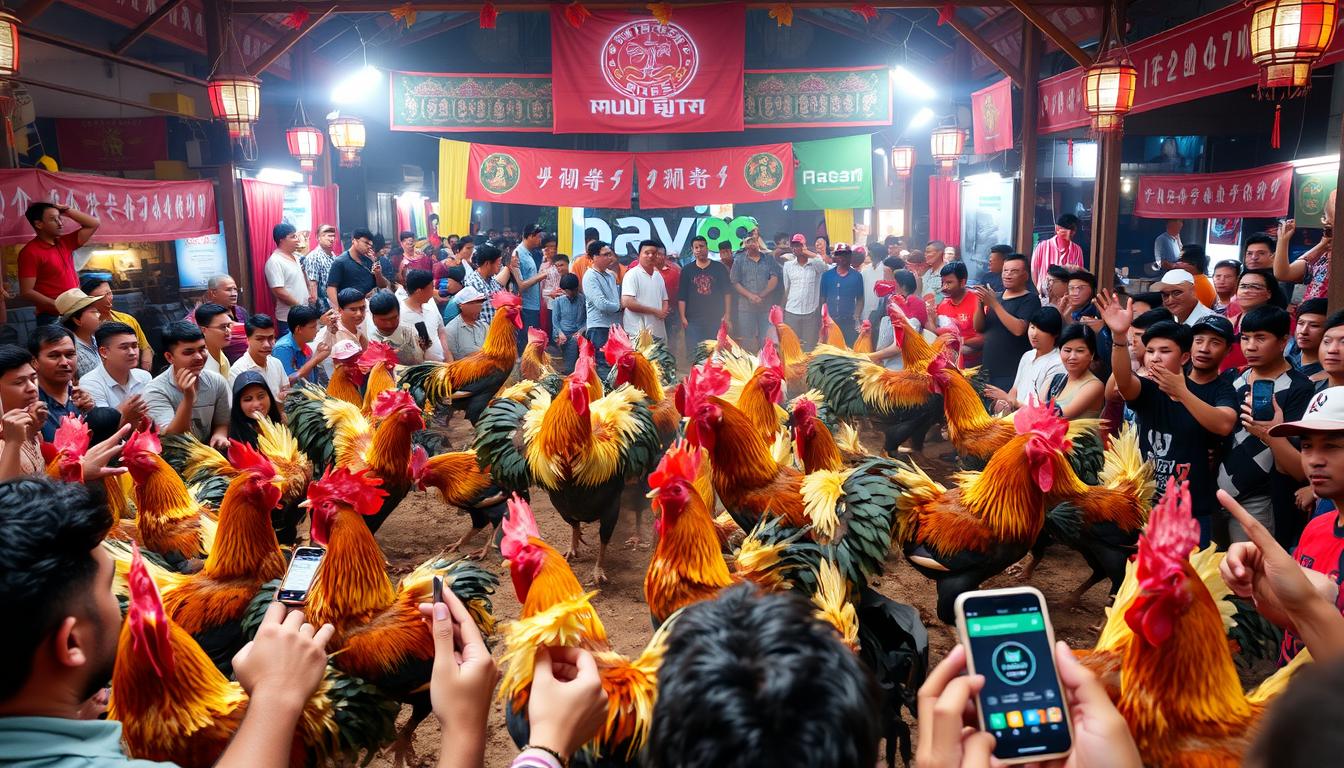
[316,267]
[489,287]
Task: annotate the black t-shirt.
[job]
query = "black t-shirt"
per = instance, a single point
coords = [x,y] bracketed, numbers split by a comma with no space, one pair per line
[1248,464]
[1171,438]
[348,273]
[1003,350]
[703,291]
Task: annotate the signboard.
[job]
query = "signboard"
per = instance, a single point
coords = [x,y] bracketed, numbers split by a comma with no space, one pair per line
[700,176]
[986,218]
[992,117]
[130,210]
[623,72]
[448,103]
[1312,194]
[113,144]
[524,176]
[200,258]
[800,98]
[1255,193]
[833,173]
[298,211]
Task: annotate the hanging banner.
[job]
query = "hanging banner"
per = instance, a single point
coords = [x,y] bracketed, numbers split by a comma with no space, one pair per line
[114,144]
[550,177]
[992,117]
[1254,193]
[1313,192]
[624,72]
[1209,55]
[805,98]
[449,103]
[707,176]
[833,173]
[128,209]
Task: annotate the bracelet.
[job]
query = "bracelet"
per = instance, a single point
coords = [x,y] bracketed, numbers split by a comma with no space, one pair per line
[562,761]
[1122,346]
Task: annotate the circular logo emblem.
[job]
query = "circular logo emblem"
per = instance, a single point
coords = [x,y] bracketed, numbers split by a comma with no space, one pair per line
[764,172]
[647,60]
[1312,198]
[499,173]
[1013,663]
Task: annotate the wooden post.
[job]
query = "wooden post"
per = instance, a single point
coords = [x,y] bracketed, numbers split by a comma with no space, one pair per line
[1336,294]
[1026,184]
[1106,207]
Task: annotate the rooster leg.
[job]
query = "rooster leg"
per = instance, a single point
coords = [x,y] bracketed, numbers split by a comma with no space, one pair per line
[575,542]
[599,571]
[402,753]
[465,540]
[636,540]
[1075,597]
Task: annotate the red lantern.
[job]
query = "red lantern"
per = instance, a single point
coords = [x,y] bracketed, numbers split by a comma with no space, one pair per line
[1287,37]
[305,144]
[347,136]
[9,44]
[903,161]
[947,144]
[235,99]
[1108,92]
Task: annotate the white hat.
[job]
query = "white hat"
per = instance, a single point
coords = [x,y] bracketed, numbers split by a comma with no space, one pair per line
[1325,414]
[1175,277]
[468,295]
[345,349]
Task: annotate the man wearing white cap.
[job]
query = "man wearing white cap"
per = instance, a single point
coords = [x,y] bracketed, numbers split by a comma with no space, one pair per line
[466,332]
[802,292]
[1178,295]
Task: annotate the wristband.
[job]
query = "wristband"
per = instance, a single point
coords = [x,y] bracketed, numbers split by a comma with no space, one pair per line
[562,762]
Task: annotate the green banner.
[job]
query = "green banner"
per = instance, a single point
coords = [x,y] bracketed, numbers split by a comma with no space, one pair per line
[833,173]
[1313,194]
[800,98]
[448,103]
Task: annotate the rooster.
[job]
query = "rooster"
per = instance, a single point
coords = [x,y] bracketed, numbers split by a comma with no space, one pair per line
[378,362]
[1164,653]
[380,635]
[71,442]
[760,397]
[720,347]
[470,383]
[335,433]
[347,381]
[831,335]
[536,363]
[462,483]
[579,447]
[645,369]
[960,537]
[790,348]
[813,445]
[175,706]
[169,522]
[863,343]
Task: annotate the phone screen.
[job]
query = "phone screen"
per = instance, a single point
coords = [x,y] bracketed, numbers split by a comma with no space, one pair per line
[422,330]
[302,570]
[1021,703]
[1262,400]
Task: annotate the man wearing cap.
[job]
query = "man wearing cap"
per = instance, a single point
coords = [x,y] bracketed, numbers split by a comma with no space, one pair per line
[1177,287]
[80,316]
[466,332]
[802,292]
[1214,337]
[317,267]
[47,262]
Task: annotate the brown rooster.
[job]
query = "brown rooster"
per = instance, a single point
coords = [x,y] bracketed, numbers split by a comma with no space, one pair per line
[536,363]
[813,445]
[378,363]
[462,483]
[71,442]
[469,384]
[347,381]
[635,368]
[169,522]
[790,348]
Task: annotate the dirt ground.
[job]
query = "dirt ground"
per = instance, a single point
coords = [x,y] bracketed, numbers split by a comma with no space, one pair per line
[423,525]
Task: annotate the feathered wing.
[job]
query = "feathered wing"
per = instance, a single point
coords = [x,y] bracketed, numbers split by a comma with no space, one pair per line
[499,440]
[307,421]
[625,440]
[854,387]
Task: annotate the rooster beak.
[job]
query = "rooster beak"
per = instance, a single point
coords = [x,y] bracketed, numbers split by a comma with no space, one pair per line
[306,504]
[652,494]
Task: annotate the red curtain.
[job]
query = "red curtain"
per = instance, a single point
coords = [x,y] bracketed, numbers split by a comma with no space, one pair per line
[324,206]
[945,210]
[265,206]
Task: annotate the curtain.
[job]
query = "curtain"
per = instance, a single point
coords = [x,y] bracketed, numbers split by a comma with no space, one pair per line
[265,207]
[839,226]
[454,207]
[325,201]
[945,210]
[564,230]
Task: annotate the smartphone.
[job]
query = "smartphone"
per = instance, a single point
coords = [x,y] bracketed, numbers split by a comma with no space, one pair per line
[423,331]
[299,577]
[1262,400]
[1008,639]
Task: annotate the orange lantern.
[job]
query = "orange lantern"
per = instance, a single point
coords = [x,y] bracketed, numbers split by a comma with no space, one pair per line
[347,136]
[1287,37]
[947,144]
[305,144]
[903,161]
[235,99]
[1108,92]
[9,43]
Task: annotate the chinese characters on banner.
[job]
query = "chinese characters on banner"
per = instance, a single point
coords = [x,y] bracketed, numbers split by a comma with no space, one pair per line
[128,209]
[111,144]
[624,72]
[992,117]
[701,176]
[1255,193]
[1209,55]
[550,176]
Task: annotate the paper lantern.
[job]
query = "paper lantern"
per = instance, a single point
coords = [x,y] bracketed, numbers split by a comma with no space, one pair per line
[1287,37]
[903,161]
[305,144]
[347,136]
[947,144]
[9,44]
[235,99]
[1108,92]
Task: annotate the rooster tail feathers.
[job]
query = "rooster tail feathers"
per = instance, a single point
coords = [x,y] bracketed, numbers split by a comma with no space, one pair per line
[833,606]
[1275,683]
[365,718]
[498,443]
[121,553]
[308,423]
[1123,463]
[836,377]
[473,584]
[1064,523]
[194,460]
[429,383]
[776,556]
[565,623]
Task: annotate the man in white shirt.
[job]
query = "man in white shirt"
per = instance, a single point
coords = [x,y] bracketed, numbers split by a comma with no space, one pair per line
[260,342]
[418,306]
[802,293]
[284,274]
[644,294]
[1167,246]
[119,381]
[1177,287]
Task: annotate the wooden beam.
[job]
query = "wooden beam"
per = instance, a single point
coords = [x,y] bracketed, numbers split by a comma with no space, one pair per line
[159,13]
[446,25]
[106,97]
[1106,207]
[1026,174]
[98,53]
[32,9]
[985,49]
[282,46]
[1056,35]
[384,6]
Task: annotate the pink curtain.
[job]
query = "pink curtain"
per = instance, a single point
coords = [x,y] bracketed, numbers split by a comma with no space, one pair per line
[265,206]
[324,206]
[945,210]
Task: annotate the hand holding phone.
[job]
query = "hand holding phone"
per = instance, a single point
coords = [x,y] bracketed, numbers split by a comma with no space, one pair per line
[1262,400]
[299,578]
[422,331]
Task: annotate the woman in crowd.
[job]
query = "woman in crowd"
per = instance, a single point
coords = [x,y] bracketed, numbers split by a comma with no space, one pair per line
[1077,392]
[1255,287]
[252,399]
[24,414]
[1038,366]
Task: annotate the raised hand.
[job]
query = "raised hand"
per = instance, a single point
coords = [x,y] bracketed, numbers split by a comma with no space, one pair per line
[1117,314]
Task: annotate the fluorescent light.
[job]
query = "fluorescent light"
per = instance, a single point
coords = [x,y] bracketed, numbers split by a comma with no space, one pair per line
[911,85]
[880,152]
[982,178]
[357,87]
[921,118]
[1316,164]
[279,176]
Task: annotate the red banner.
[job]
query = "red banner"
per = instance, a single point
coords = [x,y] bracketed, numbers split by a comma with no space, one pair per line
[1209,55]
[1257,192]
[129,210]
[624,72]
[550,177]
[992,117]
[113,144]
[709,176]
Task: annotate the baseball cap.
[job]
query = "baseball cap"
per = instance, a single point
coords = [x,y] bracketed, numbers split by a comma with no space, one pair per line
[468,295]
[799,239]
[1175,277]
[1325,414]
[1215,324]
[345,349]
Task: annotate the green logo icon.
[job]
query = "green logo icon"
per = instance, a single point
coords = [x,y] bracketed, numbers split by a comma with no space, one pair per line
[499,173]
[764,172]
[997,722]
[716,231]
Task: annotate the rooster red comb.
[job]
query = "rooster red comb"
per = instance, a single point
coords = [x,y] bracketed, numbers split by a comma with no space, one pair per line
[804,409]
[1171,534]
[705,380]
[938,373]
[378,353]
[1049,434]
[244,457]
[617,346]
[536,337]
[770,358]
[142,442]
[359,490]
[392,401]
[681,462]
[776,315]
[503,299]
[148,621]
[519,526]
[72,437]
[722,339]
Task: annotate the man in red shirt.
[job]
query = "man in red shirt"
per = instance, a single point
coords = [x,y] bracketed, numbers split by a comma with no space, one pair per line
[671,273]
[958,311]
[47,263]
